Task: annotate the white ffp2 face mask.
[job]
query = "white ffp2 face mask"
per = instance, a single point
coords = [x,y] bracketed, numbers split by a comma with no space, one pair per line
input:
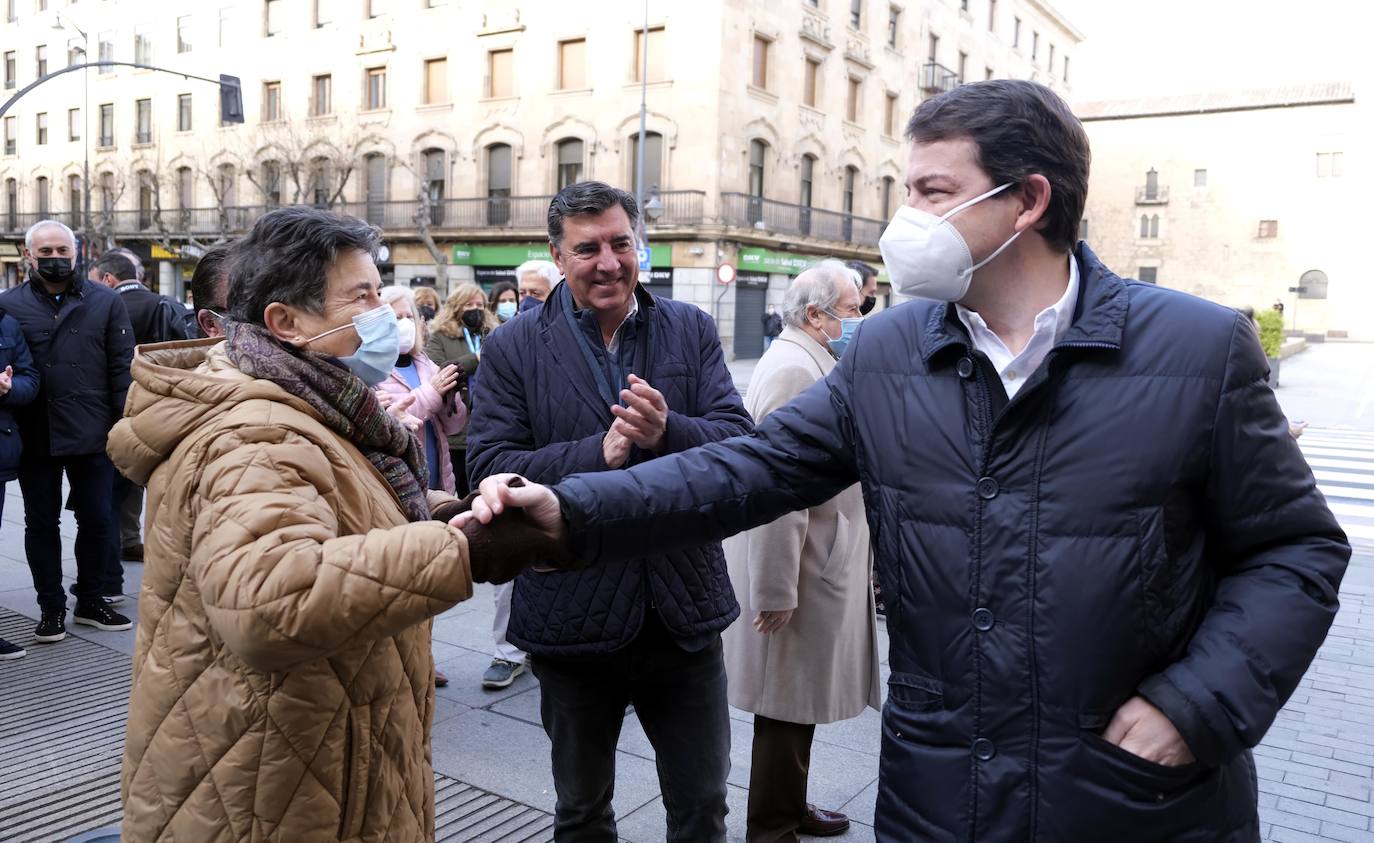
[927,257]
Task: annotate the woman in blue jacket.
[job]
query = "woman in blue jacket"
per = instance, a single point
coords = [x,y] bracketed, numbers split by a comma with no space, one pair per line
[18,386]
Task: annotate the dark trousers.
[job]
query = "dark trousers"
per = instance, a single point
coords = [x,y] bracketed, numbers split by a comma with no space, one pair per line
[680,699]
[40,481]
[121,491]
[777,779]
[458,456]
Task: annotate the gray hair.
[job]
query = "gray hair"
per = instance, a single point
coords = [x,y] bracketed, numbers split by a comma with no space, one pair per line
[42,224]
[393,293]
[587,197]
[547,269]
[817,287]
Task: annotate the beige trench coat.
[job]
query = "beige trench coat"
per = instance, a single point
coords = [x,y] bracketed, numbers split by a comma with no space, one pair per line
[822,666]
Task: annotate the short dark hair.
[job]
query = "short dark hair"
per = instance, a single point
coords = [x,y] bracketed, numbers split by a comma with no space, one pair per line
[866,271]
[587,197]
[209,282]
[497,289]
[1019,128]
[285,257]
[115,264]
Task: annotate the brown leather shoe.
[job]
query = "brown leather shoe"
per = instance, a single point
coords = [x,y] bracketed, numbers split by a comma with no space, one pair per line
[819,822]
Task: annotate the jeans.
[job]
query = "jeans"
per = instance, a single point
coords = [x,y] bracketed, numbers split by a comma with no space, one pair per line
[680,699]
[40,480]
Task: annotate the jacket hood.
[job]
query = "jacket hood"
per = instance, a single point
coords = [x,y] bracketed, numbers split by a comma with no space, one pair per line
[178,388]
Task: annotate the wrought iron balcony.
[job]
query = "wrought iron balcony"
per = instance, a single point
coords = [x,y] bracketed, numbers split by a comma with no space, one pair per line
[1147,196]
[741,210]
[935,78]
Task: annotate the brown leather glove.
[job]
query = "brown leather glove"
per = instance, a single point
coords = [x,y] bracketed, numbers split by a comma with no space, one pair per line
[499,551]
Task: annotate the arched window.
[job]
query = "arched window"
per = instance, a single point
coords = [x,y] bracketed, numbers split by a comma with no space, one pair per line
[271,183]
[185,189]
[1144,225]
[228,186]
[498,184]
[320,182]
[374,187]
[42,194]
[435,182]
[808,177]
[145,199]
[74,199]
[653,162]
[851,178]
[569,162]
[1312,285]
[1154,225]
[889,186]
[107,194]
[12,204]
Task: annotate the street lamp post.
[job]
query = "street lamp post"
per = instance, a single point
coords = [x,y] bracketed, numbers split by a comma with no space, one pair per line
[643,111]
[85,129]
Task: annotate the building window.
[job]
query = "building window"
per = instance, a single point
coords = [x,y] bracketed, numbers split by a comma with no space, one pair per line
[889,187]
[321,95]
[498,184]
[853,99]
[183,112]
[317,186]
[143,44]
[1144,225]
[11,139]
[11,204]
[41,127]
[228,186]
[10,73]
[73,124]
[145,199]
[1312,284]
[143,121]
[656,46]
[1065,76]
[226,15]
[185,189]
[894,17]
[184,34]
[963,5]
[1199,178]
[808,177]
[963,67]
[374,187]
[572,64]
[40,61]
[107,193]
[74,54]
[324,12]
[377,8]
[1035,45]
[1268,229]
[988,73]
[856,14]
[1016,33]
[1049,63]
[374,92]
[1151,184]
[271,183]
[43,194]
[75,198]
[271,17]
[810,82]
[500,77]
[105,52]
[10,12]
[992,15]
[271,102]
[435,181]
[653,162]
[1154,225]
[890,115]
[569,162]
[436,82]
[1329,164]
[934,48]
[761,46]
[106,125]
[1149,274]
[758,151]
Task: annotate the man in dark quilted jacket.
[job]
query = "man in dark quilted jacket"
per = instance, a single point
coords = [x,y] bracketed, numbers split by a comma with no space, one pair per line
[606,376]
[1105,561]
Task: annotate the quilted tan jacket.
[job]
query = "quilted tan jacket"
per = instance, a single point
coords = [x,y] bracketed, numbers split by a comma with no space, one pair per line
[283,682]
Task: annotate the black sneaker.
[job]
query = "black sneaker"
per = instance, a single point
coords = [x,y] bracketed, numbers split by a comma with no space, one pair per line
[52,627]
[10,651]
[99,615]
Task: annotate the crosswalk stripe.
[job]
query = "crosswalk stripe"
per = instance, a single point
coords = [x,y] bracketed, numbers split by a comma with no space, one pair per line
[1343,463]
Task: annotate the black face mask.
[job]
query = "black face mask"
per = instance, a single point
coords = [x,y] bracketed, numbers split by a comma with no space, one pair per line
[869,303]
[473,319]
[56,271]
[426,312]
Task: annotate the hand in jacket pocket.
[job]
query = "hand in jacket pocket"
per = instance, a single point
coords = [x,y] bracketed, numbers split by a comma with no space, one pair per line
[1143,730]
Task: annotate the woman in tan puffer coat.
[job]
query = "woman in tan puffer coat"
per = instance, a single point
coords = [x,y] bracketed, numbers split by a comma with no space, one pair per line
[283,683]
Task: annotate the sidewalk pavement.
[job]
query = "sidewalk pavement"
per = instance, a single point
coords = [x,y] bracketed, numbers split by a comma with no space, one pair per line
[1316,765]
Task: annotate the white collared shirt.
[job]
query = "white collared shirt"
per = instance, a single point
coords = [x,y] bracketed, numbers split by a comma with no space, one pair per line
[614,345]
[1050,326]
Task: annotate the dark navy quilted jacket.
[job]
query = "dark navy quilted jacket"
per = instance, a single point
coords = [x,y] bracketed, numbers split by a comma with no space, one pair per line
[1136,520]
[536,411]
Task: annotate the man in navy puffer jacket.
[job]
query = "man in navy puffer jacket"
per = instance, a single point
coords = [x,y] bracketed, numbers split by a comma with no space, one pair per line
[604,376]
[1105,561]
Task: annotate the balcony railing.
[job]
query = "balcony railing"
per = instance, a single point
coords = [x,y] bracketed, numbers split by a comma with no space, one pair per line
[1147,196]
[768,215]
[936,78]
[515,214]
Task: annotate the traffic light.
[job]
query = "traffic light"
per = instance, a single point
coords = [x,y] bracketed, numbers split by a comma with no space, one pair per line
[230,100]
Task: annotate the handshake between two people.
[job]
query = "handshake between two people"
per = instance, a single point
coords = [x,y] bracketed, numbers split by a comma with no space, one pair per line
[510,524]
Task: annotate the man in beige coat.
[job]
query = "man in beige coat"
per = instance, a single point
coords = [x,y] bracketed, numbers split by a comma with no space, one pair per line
[805,650]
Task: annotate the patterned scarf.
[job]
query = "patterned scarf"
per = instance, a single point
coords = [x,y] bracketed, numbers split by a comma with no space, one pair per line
[346,404]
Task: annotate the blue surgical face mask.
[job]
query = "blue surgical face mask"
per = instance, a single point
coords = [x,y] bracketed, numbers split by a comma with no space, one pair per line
[381,344]
[506,310]
[847,329]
